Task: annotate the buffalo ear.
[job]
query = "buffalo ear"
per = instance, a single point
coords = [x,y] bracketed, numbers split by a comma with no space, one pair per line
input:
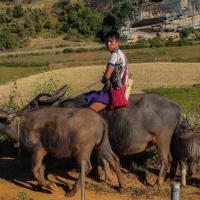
[7,116]
[3,114]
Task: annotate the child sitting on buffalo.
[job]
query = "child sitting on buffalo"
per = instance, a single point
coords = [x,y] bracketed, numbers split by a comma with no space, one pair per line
[115,74]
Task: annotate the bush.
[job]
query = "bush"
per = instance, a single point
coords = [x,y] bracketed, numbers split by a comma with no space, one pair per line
[123,38]
[7,41]
[68,50]
[186,31]
[74,15]
[170,42]
[184,42]
[18,11]
[142,43]
[156,42]
[25,23]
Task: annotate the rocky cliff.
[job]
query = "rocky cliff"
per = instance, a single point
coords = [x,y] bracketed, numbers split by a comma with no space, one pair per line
[144,9]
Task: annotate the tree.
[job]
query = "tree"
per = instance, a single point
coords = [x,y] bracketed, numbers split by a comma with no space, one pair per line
[74,15]
[116,19]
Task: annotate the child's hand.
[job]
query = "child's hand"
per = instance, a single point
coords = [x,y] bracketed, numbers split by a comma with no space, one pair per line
[103,80]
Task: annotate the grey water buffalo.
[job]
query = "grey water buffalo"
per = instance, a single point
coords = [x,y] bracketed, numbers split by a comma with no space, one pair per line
[148,119]
[62,133]
[185,149]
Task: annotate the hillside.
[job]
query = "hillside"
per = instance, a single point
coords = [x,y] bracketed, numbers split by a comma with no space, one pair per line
[23,20]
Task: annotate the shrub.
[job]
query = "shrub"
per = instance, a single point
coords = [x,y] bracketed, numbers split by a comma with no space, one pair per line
[184,42]
[68,50]
[50,83]
[18,11]
[25,22]
[123,38]
[74,15]
[7,41]
[156,42]
[186,31]
[170,42]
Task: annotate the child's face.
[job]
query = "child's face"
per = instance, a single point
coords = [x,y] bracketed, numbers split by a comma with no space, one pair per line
[112,44]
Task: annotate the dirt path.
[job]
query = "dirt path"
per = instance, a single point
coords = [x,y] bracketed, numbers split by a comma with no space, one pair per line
[16,180]
[145,75]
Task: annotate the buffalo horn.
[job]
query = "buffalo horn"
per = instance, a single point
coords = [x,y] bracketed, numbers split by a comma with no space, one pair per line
[54,96]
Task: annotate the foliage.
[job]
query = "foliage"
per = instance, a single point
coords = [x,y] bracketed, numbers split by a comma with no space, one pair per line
[116,19]
[156,42]
[186,31]
[184,42]
[170,42]
[11,102]
[24,23]
[123,38]
[50,83]
[23,196]
[7,41]
[74,15]
[18,11]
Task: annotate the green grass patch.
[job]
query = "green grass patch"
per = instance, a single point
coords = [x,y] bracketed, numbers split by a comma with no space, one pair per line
[13,73]
[187,98]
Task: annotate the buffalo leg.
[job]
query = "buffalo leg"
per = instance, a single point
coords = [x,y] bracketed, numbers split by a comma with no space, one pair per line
[163,147]
[38,169]
[88,168]
[117,171]
[114,163]
[107,170]
[173,170]
[104,165]
[190,165]
[183,172]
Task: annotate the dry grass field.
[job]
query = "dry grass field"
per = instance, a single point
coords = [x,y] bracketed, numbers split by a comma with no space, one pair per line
[145,75]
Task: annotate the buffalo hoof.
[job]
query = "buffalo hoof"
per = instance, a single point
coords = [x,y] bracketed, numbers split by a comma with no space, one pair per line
[151,179]
[161,184]
[108,179]
[53,187]
[168,181]
[121,188]
[183,185]
[70,194]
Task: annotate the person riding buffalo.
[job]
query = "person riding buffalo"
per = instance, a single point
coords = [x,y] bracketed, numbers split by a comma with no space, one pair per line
[115,77]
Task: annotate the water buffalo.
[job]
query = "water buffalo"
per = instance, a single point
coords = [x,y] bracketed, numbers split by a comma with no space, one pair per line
[185,148]
[148,119]
[60,132]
